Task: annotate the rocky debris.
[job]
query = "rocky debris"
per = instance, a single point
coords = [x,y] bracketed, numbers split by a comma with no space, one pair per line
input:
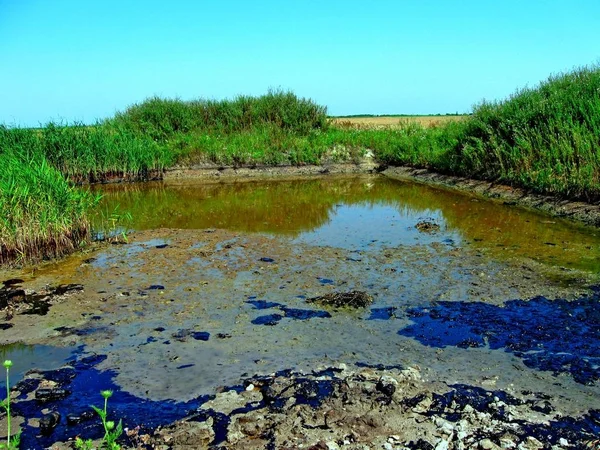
[74,419]
[370,408]
[183,335]
[353,299]
[226,402]
[49,422]
[185,434]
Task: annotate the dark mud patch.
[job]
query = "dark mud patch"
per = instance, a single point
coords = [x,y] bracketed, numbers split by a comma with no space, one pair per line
[70,390]
[353,299]
[183,335]
[264,304]
[560,336]
[290,313]
[386,313]
[14,300]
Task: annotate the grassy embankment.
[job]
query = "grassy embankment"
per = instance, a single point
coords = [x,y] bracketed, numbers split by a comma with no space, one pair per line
[44,215]
[545,138]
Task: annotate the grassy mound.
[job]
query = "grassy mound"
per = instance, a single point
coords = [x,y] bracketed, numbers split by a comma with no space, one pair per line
[162,118]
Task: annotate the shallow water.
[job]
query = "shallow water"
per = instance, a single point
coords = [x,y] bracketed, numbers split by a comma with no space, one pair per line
[356,212]
[174,314]
[26,357]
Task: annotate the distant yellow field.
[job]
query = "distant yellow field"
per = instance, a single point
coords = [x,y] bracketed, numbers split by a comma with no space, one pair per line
[392,122]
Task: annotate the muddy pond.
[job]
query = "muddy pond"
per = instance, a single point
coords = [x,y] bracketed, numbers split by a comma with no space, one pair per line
[223,281]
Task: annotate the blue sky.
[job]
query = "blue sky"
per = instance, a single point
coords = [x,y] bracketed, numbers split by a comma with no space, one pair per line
[84,60]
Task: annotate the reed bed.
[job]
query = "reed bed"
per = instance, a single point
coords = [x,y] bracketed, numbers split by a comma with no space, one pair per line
[42,215]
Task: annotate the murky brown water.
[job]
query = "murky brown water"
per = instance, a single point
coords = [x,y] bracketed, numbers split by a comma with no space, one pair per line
[348,211]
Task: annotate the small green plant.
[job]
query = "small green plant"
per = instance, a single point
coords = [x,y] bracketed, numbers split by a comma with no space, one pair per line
[12,442]
[111,433]
[113,228]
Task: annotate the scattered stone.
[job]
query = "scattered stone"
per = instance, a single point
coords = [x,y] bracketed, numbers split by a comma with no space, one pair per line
[442,445]
[74,419]
[387,385]
[49,422]
[488,444]
[267,260]
[188,434]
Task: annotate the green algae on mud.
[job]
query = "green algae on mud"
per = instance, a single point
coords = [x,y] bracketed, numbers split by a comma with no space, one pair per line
[298,208]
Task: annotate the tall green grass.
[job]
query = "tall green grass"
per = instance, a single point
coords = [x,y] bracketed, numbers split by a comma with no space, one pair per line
[545,138]
[161,119]
[90,153]
[41,214]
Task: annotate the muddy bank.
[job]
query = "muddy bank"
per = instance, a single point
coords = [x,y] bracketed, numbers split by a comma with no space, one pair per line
[205,172]
[579,211]
[339,407]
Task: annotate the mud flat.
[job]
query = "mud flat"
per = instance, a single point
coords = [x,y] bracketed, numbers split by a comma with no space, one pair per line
[216,337]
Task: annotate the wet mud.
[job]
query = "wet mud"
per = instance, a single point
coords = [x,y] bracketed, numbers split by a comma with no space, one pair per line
[209,336]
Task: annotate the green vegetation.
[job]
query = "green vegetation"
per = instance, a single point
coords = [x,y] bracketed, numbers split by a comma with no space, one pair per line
[42,214]
[544,138]
[12,442]
[111,432]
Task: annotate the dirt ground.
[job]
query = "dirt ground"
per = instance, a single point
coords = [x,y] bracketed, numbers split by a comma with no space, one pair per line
[175,315]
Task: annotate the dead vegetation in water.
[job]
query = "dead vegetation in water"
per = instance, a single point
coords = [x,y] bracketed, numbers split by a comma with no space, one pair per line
[427,226]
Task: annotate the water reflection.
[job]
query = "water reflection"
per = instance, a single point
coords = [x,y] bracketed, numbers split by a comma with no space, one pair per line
[26,357]
[330,210]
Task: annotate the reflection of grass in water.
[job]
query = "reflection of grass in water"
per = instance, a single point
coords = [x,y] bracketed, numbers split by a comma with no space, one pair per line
[16,347]
[292,207]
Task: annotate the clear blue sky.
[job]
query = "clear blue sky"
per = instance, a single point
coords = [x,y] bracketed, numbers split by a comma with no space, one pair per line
[83,60]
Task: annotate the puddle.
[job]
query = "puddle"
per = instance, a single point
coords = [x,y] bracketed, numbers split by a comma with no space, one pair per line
[359,212]
[26,357]
[552,335]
